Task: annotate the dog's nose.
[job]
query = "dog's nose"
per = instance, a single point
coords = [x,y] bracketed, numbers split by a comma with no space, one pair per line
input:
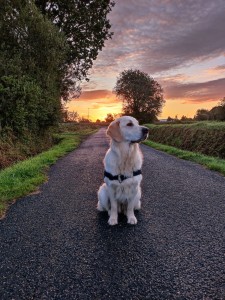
[145,130]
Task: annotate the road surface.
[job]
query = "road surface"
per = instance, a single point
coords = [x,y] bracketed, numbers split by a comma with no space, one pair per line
[55,245]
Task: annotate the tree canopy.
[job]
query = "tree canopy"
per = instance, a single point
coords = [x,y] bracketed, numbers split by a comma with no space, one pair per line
[46,49]
[32,52]
[217,113]
[86,28]
[142,96]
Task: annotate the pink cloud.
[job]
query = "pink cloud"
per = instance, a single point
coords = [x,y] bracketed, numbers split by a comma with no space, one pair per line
[163,34]
[196,92]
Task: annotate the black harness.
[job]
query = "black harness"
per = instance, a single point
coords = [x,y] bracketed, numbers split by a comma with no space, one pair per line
[121,177]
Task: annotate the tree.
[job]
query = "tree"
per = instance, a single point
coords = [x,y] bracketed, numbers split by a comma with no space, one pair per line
[202,115]
[84,120]
[169,119]
[73,116]
[109,118]
[221,110]
[86,27]
[142,96]
[222,102]
[217,113]
[32,55]
[185,119]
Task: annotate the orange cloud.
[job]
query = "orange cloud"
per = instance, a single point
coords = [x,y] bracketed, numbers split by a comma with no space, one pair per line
[95,94]
[216,70]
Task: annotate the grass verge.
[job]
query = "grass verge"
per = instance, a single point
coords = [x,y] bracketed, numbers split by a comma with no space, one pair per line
[24,177]
[212,163]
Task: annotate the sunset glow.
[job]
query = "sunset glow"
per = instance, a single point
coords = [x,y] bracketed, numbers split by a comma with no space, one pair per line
[96,108]
[180,46]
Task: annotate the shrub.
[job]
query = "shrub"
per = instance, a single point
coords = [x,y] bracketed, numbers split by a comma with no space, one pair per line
[204,137]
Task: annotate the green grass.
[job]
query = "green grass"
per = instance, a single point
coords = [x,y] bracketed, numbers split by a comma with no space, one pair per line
[24,177]
[212,163]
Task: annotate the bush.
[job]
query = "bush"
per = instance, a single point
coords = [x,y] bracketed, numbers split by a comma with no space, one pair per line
[204,137]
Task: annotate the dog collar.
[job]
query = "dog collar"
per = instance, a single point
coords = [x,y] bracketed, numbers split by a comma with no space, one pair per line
[120,177]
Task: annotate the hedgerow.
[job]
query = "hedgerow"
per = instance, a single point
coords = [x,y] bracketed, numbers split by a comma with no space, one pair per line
[204,137]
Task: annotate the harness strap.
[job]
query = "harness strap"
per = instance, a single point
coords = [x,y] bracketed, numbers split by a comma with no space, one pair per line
[120,177]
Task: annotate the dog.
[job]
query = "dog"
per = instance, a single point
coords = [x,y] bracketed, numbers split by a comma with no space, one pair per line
[121,191]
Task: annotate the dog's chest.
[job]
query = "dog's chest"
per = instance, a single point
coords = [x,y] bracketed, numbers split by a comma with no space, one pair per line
[124,192]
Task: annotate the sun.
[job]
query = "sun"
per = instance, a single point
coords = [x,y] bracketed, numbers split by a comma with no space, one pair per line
[95,109]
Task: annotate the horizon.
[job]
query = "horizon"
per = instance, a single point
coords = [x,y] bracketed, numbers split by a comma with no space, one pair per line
[179,44]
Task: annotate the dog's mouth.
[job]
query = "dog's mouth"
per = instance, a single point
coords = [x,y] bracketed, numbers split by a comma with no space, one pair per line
[144,136]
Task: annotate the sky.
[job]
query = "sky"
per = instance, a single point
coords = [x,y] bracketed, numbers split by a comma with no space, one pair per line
[179,43]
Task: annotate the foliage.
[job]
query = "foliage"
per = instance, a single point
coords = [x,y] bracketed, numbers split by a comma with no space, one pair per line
[31,71]
[86,27]
[216,113]
[203,137]
[202,115]
[142,96]
[69,116]
[111,117]
[44,52]
[222,102]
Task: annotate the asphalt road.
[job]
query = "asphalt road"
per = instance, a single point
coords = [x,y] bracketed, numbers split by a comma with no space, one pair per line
[55,245]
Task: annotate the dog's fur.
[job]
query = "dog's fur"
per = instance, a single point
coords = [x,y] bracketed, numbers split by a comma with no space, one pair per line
[123,157]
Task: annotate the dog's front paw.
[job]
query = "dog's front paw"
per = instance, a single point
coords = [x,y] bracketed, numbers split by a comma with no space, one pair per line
[132,220]
[113,221]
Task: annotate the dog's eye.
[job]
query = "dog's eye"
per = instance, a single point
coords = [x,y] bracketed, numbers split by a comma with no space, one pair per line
[130,124]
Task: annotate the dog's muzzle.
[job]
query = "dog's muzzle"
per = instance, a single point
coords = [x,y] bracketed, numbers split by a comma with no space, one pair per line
[145,132]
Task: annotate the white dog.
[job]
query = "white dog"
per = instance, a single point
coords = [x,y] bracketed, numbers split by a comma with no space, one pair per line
[123,162]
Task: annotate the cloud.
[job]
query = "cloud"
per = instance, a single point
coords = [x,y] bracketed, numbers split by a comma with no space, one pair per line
[94,94]
[99,98]
[160,35]
[174,78]
[217,70]
[196,92]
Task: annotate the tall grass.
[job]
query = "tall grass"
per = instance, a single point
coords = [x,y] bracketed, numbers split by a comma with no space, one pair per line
[24,177]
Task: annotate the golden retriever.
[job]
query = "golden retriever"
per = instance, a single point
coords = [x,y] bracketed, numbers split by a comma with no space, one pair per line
[123,161]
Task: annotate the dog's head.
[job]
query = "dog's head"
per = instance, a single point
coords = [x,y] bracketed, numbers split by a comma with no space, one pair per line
[127,129]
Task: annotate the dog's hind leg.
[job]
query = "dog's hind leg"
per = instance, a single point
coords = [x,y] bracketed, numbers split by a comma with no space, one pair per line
[103,198]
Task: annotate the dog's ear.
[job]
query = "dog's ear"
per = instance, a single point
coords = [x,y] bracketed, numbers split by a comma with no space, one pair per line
[114,131]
